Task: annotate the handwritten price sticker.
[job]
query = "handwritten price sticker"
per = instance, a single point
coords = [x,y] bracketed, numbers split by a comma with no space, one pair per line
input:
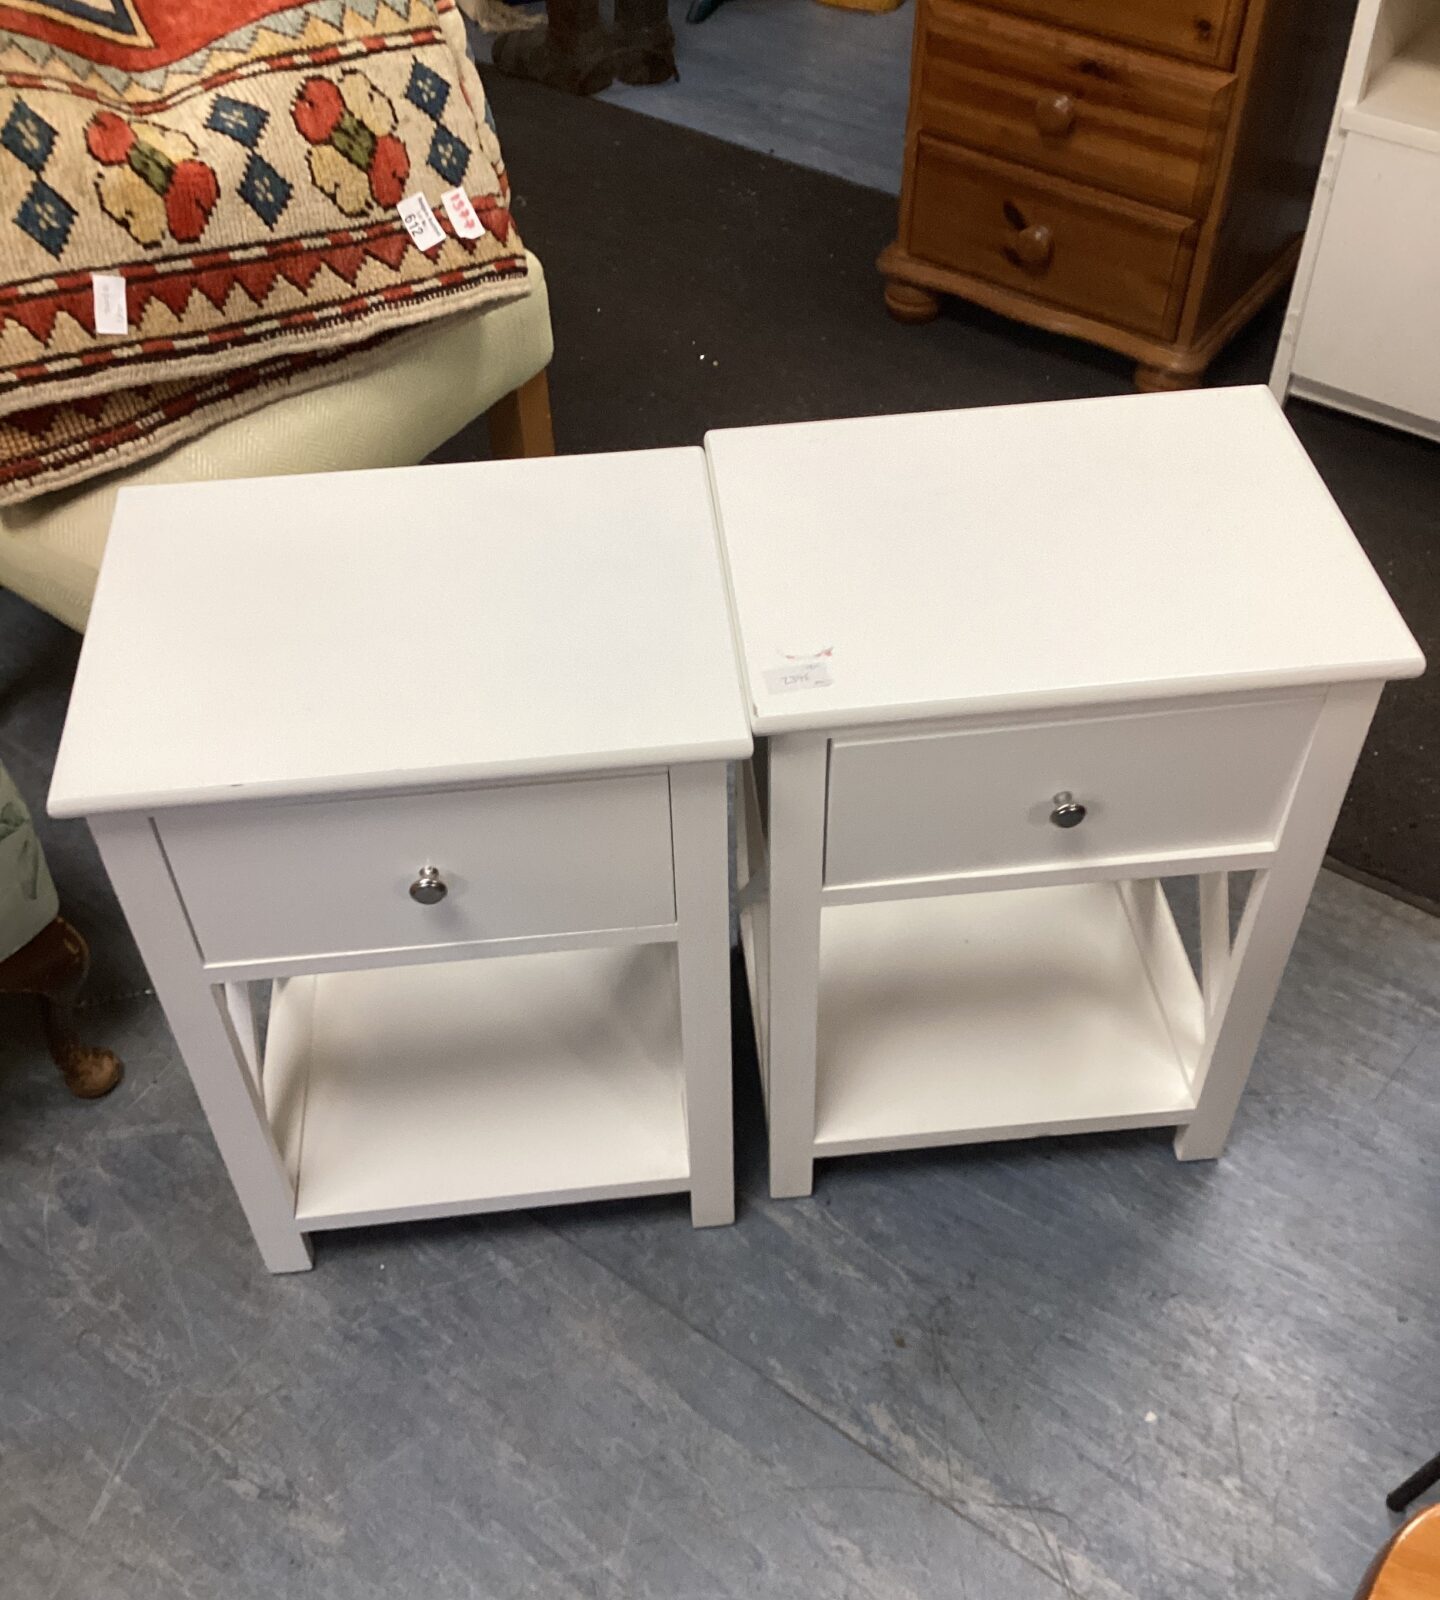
[463,216]
[800,672]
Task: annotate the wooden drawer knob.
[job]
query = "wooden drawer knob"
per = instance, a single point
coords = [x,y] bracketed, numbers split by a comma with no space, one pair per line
[1032,248]
[1055,114]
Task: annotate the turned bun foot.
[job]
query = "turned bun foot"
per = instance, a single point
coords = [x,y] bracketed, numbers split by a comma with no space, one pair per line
[1158,380]
[88,1071]
[907,303]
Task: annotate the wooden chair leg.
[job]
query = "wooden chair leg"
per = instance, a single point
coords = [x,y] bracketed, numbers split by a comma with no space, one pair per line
[53,968]
[520,423]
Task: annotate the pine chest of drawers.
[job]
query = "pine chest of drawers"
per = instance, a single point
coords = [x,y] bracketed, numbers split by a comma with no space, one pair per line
[1132,172]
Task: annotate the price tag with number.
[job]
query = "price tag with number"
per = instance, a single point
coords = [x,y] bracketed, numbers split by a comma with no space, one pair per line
[810,671]
[420,222]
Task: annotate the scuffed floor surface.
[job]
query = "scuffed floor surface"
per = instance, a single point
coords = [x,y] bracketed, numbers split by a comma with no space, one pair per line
[1028,1372]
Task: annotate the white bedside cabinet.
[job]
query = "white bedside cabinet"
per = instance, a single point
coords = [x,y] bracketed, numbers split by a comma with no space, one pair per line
[1013,667]
[436,759]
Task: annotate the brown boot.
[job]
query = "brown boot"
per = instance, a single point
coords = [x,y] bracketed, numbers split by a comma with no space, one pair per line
[572,51]
[644,42]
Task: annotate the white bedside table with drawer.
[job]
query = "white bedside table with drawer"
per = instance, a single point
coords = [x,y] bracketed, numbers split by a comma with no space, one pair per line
[1012,668]
[436,760]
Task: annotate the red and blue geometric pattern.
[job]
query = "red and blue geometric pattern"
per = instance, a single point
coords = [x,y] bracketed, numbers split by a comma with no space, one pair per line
[45,215]
[238,164]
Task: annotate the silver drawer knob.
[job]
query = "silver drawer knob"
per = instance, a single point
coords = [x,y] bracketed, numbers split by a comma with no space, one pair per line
[429,888]
[1068,812]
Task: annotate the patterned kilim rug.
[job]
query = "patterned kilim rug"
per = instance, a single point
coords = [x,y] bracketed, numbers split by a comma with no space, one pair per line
[239,165]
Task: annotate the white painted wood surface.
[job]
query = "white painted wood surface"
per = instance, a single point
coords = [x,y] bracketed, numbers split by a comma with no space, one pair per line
[931,960]
[272,882]
[1050,875]
[421,954]
[969,1017]
[1023,558]
[1371,322]
[200,1019]
[961,800]
[702,897]
[796,837]
[1084,1028]
[404,630]
[1215,940]
[481,1085]
[1400,101]
[1271,919]
[521,674]
[1361,326]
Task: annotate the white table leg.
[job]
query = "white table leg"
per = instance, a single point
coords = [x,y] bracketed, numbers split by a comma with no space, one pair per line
[702,907]
[205,1032]
[1273,911]
[797,850]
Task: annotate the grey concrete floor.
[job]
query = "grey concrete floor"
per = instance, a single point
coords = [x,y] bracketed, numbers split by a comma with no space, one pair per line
[1060,1368]
[814,84]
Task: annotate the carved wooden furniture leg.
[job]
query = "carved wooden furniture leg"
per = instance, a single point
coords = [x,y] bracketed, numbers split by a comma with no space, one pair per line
[53,968]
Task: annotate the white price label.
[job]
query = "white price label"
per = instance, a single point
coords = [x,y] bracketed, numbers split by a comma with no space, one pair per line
[111,313]
[420,222]
[800,672]
[463,217]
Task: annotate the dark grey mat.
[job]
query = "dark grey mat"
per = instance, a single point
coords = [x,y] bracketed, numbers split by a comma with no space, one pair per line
[695,284]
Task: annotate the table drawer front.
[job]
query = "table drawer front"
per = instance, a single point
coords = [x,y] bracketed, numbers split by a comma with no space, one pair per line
[1139,125]
[270,882]
[1077,248]
[1165,783]
[1199,30]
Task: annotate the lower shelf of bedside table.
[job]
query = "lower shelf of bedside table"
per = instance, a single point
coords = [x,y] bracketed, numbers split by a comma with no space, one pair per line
[426,1091]
[961,1018]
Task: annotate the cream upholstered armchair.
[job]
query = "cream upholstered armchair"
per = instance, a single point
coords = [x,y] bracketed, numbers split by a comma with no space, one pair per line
[432,382]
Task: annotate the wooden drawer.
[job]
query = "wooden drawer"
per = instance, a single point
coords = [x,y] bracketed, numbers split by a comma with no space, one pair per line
[1140,125]
[1200,30]
[1154,784]
[267,882]
[1089,252]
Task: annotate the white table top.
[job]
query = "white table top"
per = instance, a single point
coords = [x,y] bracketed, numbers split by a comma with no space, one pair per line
[1037,556]
[378,631]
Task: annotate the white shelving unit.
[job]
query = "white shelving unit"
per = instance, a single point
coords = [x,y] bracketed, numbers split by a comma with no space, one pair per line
[1401,99]
[1363,325]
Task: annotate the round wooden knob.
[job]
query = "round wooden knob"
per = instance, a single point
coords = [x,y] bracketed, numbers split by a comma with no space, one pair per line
[1034,246]
[1055,114]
